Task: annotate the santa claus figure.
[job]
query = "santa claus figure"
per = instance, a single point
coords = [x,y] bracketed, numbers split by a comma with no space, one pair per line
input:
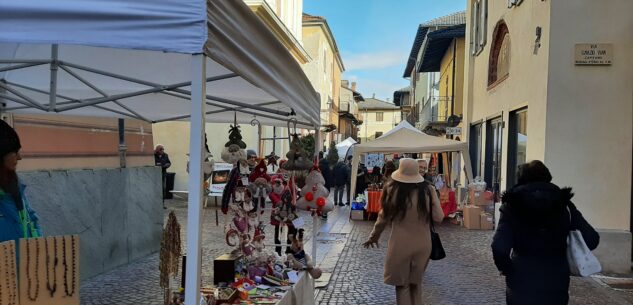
[283,211]
[315,194]
[259,185]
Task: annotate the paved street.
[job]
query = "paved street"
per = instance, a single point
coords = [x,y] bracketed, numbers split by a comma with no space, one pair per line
[466,276]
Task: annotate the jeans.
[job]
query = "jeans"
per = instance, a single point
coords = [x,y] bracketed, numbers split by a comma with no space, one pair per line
[338,194]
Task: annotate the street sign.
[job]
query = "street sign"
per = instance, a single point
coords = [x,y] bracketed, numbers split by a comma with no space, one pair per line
[594,54]
[456,131]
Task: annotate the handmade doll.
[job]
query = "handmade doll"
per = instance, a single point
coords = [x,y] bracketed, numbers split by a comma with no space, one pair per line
[259,185]
[239,173]
[315,194]
[298,159]
[234,149]
[298,259]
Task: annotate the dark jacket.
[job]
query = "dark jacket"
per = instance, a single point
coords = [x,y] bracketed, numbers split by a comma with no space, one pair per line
[340,175]
[362,180]
[162,160]
[529,246]
[324,166]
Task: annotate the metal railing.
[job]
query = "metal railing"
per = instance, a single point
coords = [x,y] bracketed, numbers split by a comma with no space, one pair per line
[435,109]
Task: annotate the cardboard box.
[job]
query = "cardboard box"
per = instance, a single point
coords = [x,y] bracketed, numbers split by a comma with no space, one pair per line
[472,219]
[480,198]
[224,268]
[487,222]
[358,214]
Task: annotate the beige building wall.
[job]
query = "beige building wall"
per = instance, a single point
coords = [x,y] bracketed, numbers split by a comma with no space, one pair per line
[589,110]
[370,126]
[525,68]
[175,137]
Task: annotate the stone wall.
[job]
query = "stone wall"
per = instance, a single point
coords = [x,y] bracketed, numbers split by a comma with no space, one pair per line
[117,212]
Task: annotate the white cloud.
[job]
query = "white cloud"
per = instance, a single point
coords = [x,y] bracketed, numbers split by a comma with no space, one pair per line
[377,60]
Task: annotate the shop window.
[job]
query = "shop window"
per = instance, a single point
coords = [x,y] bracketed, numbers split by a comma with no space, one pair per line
[517,144]
[499,63]
[492,167]
[379,116]
[479,26]
[475,148]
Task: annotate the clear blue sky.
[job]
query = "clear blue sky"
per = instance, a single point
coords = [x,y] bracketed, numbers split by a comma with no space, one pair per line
[375,36]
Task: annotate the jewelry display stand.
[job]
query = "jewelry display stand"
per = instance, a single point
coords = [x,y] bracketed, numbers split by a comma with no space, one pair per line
[49,270]
[8,274]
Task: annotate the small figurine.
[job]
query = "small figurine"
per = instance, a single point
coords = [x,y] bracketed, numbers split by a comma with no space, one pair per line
[298,259]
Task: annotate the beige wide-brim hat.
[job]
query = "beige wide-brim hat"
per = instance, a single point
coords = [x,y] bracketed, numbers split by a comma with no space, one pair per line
[407,172]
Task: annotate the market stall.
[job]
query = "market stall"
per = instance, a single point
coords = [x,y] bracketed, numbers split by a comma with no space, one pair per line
[405,138]
[155,61]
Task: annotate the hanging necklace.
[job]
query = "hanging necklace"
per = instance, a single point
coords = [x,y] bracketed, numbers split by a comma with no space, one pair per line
[13,293]
[6,271]
[37,266]
[51,288]
[74,267]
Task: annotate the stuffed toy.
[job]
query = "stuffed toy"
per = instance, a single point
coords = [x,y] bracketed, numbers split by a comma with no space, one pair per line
[315,194]
[298,160]
[298,259]
[259,185]
[240,174]
[235,149]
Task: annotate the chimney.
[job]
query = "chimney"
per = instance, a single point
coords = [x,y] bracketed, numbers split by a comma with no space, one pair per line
[353,86]
[345,83]
[373,95]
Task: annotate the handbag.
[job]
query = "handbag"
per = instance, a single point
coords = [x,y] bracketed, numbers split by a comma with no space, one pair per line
[437,250]
[580,259]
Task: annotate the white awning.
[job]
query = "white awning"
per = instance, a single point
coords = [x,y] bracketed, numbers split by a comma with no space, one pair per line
[123,58]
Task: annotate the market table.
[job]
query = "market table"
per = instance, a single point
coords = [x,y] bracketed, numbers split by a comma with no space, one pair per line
[302,293]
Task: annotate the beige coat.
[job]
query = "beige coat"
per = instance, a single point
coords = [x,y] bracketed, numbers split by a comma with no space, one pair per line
[409,243]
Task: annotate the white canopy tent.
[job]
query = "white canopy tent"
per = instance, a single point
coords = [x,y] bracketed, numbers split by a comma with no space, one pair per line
[404,138]
[153,60]
[343,148]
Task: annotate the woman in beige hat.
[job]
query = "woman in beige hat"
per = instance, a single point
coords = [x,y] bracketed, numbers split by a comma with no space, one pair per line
[406,201]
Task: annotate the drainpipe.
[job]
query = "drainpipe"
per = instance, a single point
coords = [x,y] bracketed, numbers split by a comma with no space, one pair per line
[122,146]
[453,85]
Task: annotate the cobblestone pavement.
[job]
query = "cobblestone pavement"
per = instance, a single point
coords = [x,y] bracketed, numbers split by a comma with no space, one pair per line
[137,283]
[466,276]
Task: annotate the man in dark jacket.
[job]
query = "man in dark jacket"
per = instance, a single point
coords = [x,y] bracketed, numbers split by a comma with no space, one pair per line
[529,246]
[340,176]
[162,159]
[324,166]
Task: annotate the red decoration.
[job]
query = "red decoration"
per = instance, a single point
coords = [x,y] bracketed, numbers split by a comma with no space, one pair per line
[320,202]
[309,196]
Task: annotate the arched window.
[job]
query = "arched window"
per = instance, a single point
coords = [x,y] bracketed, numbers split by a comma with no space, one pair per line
[499,63]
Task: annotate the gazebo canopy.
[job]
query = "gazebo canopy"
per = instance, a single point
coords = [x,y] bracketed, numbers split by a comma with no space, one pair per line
[404,138]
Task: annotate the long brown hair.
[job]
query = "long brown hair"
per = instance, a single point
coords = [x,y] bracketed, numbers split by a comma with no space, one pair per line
[396,199]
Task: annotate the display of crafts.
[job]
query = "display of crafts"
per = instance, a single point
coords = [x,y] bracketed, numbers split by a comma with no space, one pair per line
[8,274]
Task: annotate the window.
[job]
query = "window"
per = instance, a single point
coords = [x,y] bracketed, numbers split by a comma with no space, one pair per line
[492,174]
[475,148]
[379,116]
[378,134]
[499,63]
[479,26]
[517,144]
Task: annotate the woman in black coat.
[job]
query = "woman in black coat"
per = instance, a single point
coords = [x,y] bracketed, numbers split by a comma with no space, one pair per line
[529,246]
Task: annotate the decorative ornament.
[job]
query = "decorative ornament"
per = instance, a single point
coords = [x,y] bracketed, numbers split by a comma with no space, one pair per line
[309,196]
[320,202]
[298,160]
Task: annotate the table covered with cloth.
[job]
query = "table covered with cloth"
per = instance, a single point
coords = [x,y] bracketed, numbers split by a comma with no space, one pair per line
[373,201]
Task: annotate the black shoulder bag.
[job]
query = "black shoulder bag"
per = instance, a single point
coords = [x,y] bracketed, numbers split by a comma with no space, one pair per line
[437,250]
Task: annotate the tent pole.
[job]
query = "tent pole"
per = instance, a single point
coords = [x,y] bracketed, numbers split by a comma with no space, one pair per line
[315,218]
[353,175]
[194,211]
[52,97]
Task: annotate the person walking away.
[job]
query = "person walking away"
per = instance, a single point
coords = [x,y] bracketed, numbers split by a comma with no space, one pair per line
[348,185]
[340,178]
[529,246]
[362,179]
[17,219]
[406,202]
[326,171]
[162,159]
[423,169]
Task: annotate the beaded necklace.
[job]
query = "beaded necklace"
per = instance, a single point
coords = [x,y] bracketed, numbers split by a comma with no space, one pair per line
[37,267]
[51,288]
[71,292]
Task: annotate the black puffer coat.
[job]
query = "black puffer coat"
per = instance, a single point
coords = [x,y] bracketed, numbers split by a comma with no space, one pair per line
[529,246]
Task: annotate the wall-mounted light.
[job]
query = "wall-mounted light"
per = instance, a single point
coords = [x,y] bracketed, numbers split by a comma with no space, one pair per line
[537,41]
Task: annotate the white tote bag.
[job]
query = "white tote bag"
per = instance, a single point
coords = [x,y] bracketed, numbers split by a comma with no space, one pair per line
[580,259]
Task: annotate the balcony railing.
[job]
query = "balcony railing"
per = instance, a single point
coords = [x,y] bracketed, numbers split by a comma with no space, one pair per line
[436,109]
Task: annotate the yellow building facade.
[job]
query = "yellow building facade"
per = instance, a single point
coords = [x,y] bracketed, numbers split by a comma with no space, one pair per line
[324,72]
[378,118]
